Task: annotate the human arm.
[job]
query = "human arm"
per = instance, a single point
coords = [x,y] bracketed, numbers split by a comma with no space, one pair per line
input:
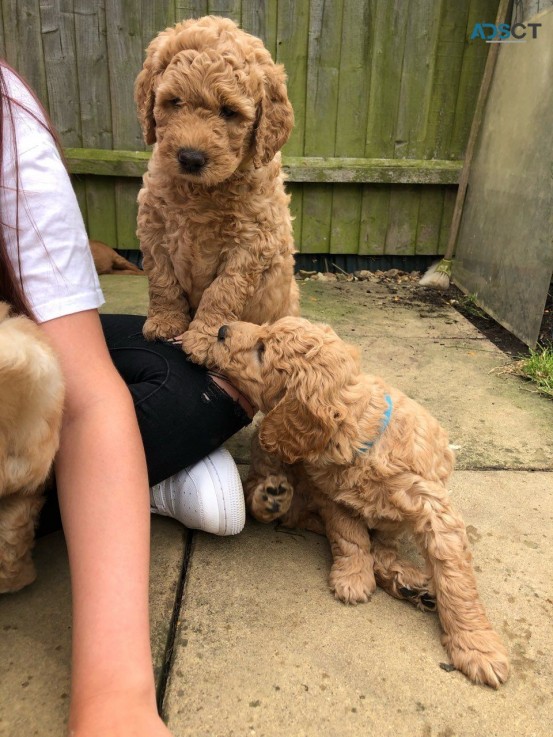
[103,494]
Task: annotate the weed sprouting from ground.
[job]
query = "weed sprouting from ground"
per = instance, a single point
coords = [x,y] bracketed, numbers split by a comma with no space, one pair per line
[538,367]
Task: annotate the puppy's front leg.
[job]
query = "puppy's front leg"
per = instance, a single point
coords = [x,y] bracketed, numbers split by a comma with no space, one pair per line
[351,576]
[168,309]
[471,643]
[222,302]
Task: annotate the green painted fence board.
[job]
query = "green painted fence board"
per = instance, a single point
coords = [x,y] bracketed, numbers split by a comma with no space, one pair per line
[321,113]
[291,50]
[431,204]
[447,64]
[474,59]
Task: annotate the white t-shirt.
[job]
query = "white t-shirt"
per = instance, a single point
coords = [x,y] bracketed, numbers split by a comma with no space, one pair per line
[57,268]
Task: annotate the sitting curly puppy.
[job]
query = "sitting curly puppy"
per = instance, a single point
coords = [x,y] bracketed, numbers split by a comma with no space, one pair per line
[31,402]
[213,221]
[372,463]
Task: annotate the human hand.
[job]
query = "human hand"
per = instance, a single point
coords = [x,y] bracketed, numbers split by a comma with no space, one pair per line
[117,714]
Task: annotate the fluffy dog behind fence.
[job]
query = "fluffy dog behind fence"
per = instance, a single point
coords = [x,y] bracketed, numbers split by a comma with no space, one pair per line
[213,222]
[363,462]
[31,402]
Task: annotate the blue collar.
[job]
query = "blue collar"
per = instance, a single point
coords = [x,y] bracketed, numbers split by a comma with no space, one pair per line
[383,424]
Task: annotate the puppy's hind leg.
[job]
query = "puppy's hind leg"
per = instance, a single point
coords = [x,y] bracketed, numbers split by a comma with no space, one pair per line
[18,519]
[471,643]
[398,577]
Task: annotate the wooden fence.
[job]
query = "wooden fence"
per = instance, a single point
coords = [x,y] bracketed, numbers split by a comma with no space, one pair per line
[383,92]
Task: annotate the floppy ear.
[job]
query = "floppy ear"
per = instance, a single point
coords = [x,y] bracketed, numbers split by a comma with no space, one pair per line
[145,85]
[294,430]
[275,116]
[303,423]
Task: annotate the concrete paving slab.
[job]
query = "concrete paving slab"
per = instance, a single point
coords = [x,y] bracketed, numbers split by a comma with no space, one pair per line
[439,358]
[264,650]
[35,627]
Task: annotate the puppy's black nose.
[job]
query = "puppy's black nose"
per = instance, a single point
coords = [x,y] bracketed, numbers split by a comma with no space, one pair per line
[222,334]
[191,161]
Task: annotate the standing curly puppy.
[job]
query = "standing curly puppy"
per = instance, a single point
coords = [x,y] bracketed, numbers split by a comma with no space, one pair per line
[370,462]
[31,403]
[213,222]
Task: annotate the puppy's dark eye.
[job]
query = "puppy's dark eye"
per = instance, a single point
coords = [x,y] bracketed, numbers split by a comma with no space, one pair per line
[260,348]
[227,112]
[174,102]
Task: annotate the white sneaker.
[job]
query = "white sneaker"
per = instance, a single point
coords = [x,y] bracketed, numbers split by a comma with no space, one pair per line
[207,496]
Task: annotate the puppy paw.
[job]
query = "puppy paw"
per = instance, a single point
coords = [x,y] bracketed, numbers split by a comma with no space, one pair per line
[420,598]
[352,587]
[480,655]
[18,579]
[198,341]
[271,498]
[164,326]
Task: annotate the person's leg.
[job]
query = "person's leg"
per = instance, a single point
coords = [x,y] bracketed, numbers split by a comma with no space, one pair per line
[184,413]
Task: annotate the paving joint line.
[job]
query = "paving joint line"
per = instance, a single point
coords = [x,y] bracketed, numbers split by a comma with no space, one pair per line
[169,656]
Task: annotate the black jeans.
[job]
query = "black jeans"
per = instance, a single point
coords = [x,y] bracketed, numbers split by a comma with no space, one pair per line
[182,413]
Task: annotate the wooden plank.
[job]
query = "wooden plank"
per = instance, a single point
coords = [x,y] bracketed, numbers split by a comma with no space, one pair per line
[58,40]
[92,74]
[155,16]
[374,219]
[474,60]
[125,60]
[431,206]
[95,105]
[106,162]
[353,84]
[227,8]
[185,9]
[415,89]
[21,34]
[447,65]
[346,218]
[450,196]
[124,42]
[390,171]
[402,221]
[315,233]
[101,210]
[388,43]
[259,17]
[292,32]
[321,112]
[297,168]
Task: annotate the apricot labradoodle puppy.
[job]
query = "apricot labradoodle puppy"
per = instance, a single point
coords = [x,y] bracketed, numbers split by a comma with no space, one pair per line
[31,402]
[213,221]
[365,457]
